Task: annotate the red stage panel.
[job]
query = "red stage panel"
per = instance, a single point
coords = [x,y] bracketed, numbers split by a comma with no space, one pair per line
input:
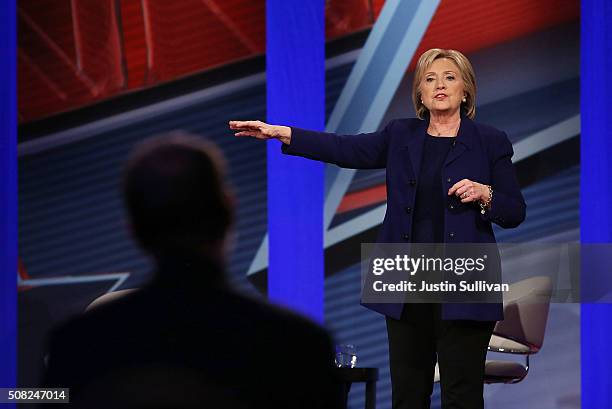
[76,52]
[68,55]
[362,198]
[134,44]
[346,17]
[469,25]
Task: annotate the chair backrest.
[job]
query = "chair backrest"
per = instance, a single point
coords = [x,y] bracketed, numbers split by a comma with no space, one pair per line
[108,298]
[526,308]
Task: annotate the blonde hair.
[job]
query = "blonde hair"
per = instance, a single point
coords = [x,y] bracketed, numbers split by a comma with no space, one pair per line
[465,69]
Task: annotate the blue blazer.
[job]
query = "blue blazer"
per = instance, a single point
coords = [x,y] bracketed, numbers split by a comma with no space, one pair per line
[480,153]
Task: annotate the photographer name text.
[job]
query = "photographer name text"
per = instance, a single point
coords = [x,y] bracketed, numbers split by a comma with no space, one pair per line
[443,287]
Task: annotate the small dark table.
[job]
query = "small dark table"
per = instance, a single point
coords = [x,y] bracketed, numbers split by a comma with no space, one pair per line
[367,375]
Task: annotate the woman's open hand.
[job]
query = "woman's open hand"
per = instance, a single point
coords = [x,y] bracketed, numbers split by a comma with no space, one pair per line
[261,130]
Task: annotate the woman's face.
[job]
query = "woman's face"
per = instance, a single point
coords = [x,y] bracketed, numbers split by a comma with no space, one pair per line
[442,88]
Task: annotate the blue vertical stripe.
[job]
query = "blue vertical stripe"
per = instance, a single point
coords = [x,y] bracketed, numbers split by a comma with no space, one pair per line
[8,197]
[295,72]
[596,193]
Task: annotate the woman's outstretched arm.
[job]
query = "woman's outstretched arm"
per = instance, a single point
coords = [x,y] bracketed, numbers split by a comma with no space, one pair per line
[362,151]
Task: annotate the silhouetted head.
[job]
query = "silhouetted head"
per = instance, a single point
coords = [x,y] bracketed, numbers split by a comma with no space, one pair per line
[176,199]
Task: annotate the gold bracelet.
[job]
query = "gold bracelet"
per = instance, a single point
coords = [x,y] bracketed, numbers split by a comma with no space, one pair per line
[486,205]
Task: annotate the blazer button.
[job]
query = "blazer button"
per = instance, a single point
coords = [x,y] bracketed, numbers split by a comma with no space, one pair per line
[412,182]
[451,235]
[451,207]
[448,180]
[406,237]
[408,209]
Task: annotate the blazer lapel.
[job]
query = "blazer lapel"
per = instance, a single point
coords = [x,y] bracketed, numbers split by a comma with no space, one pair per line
[464,141]
[414,145]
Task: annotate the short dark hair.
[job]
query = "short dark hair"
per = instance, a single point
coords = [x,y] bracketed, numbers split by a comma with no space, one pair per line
[175,194]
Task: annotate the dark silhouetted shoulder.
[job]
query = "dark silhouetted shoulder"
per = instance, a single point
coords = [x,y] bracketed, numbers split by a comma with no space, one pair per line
[265,355]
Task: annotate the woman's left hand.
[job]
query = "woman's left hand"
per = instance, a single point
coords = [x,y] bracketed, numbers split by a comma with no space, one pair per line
[469,191]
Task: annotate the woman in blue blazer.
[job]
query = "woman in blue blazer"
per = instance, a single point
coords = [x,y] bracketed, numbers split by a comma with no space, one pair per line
[448,180]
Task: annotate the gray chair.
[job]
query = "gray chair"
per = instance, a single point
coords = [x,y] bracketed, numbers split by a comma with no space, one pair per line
[521,332]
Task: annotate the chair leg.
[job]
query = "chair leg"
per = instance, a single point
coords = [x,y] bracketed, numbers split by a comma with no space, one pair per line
[370,395]
[346,388]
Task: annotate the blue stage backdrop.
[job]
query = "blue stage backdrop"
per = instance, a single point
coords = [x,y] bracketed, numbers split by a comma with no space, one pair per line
[596,194]
[295,72]
[8,198]
[70,211]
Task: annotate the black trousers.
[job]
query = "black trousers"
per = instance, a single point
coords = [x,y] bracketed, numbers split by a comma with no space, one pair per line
[420,338]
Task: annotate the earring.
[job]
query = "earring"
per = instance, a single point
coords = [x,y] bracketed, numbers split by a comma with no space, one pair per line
[464,100]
